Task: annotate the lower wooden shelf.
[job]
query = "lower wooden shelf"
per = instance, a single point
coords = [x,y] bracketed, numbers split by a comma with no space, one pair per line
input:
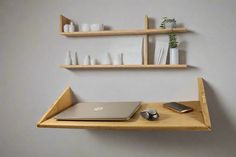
[199,119]
[150,66]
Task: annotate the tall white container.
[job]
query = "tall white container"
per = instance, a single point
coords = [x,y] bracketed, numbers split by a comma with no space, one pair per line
[75,59]
[68,60]
[174,56]
[87,60]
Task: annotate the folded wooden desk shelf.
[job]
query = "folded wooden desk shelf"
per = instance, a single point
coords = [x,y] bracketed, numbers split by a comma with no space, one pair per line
[197,120]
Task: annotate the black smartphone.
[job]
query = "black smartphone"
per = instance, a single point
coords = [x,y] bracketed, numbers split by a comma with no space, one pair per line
[177,107]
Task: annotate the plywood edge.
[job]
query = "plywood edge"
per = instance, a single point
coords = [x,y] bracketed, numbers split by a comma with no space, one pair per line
[203,103]
[64,101]
[65,125]
[63,21]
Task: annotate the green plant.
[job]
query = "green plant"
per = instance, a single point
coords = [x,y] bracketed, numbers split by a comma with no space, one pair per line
[172,40]
[167,20]
[163,22]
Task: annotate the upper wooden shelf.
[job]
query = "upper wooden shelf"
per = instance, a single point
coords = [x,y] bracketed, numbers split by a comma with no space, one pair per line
[199,119]
[64,20]
[124,32]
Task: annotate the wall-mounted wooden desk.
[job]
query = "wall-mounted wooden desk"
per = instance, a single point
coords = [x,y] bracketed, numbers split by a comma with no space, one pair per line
[199,119]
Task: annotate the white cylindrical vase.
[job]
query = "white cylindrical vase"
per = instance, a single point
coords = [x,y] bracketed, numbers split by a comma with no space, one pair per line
[174,56]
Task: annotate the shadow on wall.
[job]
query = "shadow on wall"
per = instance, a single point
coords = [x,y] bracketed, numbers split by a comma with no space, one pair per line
[220,141]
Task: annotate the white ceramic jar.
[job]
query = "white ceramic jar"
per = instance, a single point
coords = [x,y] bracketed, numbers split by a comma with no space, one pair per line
[174,56]
[66,28]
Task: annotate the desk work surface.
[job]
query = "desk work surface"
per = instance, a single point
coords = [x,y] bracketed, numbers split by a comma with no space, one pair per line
[169,120]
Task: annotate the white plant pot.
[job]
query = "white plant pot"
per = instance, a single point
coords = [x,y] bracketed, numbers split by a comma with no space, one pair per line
[170,25]
[174,56]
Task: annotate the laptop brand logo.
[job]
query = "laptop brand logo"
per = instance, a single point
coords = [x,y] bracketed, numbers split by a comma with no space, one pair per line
[99,108]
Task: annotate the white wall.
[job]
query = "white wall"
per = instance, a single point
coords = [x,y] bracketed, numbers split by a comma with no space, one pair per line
[31,50]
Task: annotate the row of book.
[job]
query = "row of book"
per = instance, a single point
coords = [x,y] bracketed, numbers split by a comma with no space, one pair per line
[161,52]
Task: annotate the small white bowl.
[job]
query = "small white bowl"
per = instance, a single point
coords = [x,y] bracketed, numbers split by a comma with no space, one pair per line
[96,27]
[85,27]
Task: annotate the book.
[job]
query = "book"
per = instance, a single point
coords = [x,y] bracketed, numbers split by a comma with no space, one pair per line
[161,52]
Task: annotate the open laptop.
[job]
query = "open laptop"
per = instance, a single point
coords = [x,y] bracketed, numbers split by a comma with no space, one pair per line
[100,111]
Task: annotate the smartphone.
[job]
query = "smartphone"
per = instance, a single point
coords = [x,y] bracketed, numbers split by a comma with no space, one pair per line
[177,107]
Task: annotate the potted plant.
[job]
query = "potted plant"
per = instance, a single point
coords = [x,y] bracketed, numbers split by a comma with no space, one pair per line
[169,23]
[174,51]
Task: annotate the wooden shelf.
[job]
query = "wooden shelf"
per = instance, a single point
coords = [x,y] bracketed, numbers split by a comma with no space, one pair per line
[150,66]
[123,32]
[146,31]
[199,119]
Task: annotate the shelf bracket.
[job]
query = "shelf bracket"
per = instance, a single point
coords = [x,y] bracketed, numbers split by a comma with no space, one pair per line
[64,101]
[203,102]
[63,21]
